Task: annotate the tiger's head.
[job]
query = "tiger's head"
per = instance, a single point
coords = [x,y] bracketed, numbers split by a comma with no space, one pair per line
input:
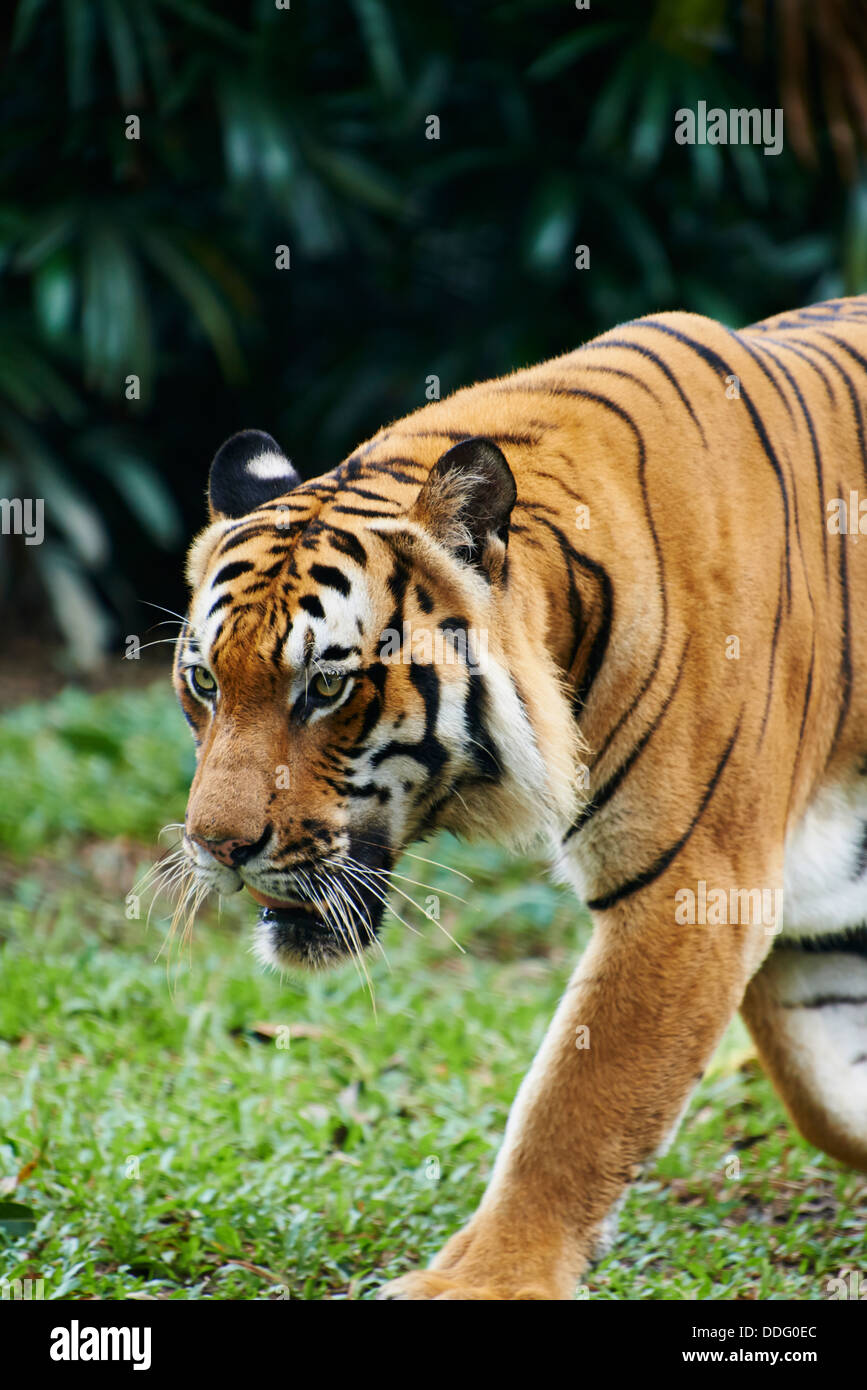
[344,668]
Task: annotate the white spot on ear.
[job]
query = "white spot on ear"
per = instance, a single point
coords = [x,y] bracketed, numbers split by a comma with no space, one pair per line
[270,466]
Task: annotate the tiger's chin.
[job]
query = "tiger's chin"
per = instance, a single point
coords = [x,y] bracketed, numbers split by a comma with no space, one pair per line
[299,937]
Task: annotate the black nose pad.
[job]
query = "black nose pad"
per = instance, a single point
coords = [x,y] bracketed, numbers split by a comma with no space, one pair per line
[244,852]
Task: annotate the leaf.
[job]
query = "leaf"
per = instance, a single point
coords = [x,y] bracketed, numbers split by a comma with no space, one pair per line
[652,128]
[29,380]
[86,739]
[121,41]
[79,614]
[553,220]
[154,48]
[611,107]
[16,1219]
[240,130]
[200,17]
[41,237]
[80,42]
[751,167]
[26,16]
[856,240]
[358,179]
[377,33]
[568,50]
[69,512]
[141,487]
[54,287]
[115,317]
[200,295]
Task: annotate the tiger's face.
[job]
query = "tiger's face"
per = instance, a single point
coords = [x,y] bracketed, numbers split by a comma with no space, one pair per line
[342,675]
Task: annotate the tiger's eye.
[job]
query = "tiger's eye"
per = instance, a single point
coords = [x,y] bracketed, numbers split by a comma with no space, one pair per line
[329,687]
[202,681]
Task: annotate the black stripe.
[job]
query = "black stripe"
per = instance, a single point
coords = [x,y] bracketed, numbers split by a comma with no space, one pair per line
[231,571]
[370,789]
[817,455]
[661,863]
[337,653]
[310,603]
[424,598]
[861,862]
[804,320]
[427,751]
[625,376]
[599,646]
[279,637]
[807,692]
[331,578]
[347,544]
[790,347]
[557,388]
[247,533]
[353,491]
[853,396]
[773,660]
[852,941]
[821,1001]
[862,363]
[357,469]
[483,749]
[663,366]
[222,602]
[719,365]
[458,435]
[573,597]
[845,645]
[615,781]
[271,571]
[763,368]
[581,695]
[795,506]
[370,512]
[370,719]
[397,475]
[405,460]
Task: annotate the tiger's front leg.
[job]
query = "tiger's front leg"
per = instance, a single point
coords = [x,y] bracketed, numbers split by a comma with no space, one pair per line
[630,1039]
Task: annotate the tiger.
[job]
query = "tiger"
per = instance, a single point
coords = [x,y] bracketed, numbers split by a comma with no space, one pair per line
[640,562]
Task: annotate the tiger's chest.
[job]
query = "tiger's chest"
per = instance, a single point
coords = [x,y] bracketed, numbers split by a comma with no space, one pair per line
[825,868]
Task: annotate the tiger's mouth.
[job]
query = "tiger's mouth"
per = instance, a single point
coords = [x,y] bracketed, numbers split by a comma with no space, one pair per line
[294,932]
[279,904]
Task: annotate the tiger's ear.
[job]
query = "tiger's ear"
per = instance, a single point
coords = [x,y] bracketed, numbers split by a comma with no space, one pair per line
[467,500]
[248,470]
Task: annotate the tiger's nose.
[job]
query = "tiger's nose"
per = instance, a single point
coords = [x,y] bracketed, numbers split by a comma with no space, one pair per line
[231,852]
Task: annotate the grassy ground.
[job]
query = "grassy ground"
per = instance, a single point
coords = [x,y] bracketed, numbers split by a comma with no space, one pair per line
[220,1134]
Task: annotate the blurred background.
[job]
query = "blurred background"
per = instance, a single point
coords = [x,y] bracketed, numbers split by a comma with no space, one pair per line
[154,257]
[157,160]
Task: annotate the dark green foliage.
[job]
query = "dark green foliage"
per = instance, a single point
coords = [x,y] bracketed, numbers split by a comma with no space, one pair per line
[410,257]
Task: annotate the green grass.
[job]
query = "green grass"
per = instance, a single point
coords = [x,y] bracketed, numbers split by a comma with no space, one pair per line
[171,1141]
